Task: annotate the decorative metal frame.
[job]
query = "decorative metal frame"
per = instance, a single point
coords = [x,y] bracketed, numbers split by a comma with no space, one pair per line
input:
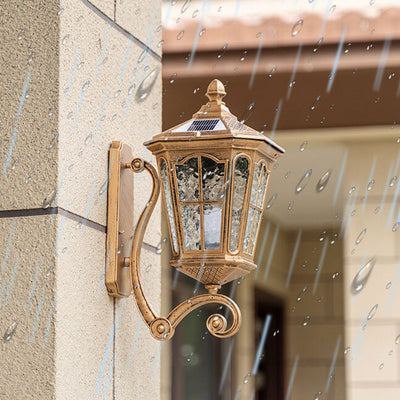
[213,267]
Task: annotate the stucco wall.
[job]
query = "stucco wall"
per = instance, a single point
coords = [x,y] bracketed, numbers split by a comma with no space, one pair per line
[75,76]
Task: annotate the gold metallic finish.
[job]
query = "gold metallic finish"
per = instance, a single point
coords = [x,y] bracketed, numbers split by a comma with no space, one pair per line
[225,141]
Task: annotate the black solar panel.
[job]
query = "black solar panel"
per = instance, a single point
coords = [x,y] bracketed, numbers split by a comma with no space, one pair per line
[203,125]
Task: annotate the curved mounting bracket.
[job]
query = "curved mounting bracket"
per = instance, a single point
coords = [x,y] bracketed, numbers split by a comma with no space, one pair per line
[119,225]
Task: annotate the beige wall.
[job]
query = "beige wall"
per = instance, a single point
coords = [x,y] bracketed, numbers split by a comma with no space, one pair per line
[78,75]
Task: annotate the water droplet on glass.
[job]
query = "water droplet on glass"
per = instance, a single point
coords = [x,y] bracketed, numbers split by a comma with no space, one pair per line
[146,85]
[291,205]
[303,146]
[270,202]
[180,35]
[65,40]
[10,331]
[297,27]
[303,181]
[361,236]
[247,113]
[372,312]
[306,320]
[395,227]
[362,276]
[49,199]
[323,181]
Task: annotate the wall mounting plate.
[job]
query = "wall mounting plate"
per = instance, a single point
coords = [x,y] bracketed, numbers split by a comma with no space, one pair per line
[119,220]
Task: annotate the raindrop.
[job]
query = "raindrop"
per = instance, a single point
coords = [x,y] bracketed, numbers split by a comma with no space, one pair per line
[369,47]
[196,90]
[202,32]
[348,45]
[381,366]
[351,190]
[80,65]
[223,50]
[146,85]
[291,205]
[287,174]
[395,227]
[65,40]
[346,350]
[318,396]
[88,138]
[361,279]
[247,113]
[185,6]
[148,268]
[117,93]
[10,331]
[21,34]
[160,43]
[270,202]
[334,238]
[49,199]
[180,35]
[159,245]
[335,275]
[303,181]
[306,320]
[322,237]
[371,2]
[247,378]
[303,146]
[103,187]
[195,12]
[323,181]
[361,236]
[398,140]
[393,181]
[297,27]
[85,86]
[292,83]
[172,77]
[318,44]
[131,89]
[271,72]
[397,341]
[372,312]
[388,285]
[377,209]
[243,55]
[370,184]
[376,100]
[315,104]
[300,295]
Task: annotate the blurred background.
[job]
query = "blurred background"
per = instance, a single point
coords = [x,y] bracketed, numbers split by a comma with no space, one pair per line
[321,315]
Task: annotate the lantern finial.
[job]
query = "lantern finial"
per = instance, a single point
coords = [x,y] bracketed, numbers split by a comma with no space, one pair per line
[216,91]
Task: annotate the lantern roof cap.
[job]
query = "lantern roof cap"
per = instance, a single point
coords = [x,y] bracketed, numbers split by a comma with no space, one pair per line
[213,121]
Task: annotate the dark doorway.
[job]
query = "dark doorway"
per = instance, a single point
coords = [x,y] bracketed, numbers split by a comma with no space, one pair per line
[269,331]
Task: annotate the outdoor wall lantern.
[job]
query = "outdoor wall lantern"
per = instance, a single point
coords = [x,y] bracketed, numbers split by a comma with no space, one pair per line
[214,173]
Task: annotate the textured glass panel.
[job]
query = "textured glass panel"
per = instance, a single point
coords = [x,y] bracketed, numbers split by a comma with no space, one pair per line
[248,227]
[167,192]
[261,189]
[257,216]
[212,225]
[191,226]
[254,186]
[212,178]
[188,180]
[241,176]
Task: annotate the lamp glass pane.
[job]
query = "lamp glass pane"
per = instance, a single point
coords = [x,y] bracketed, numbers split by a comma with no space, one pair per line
[188,180]
[212,226]
[248,229]
[254,187]
[212,179]
[167,192]
[241,176]
[257,215]
[191,226]
[262,187]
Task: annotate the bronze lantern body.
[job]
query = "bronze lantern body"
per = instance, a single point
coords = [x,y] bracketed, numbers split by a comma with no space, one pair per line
[214,173]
